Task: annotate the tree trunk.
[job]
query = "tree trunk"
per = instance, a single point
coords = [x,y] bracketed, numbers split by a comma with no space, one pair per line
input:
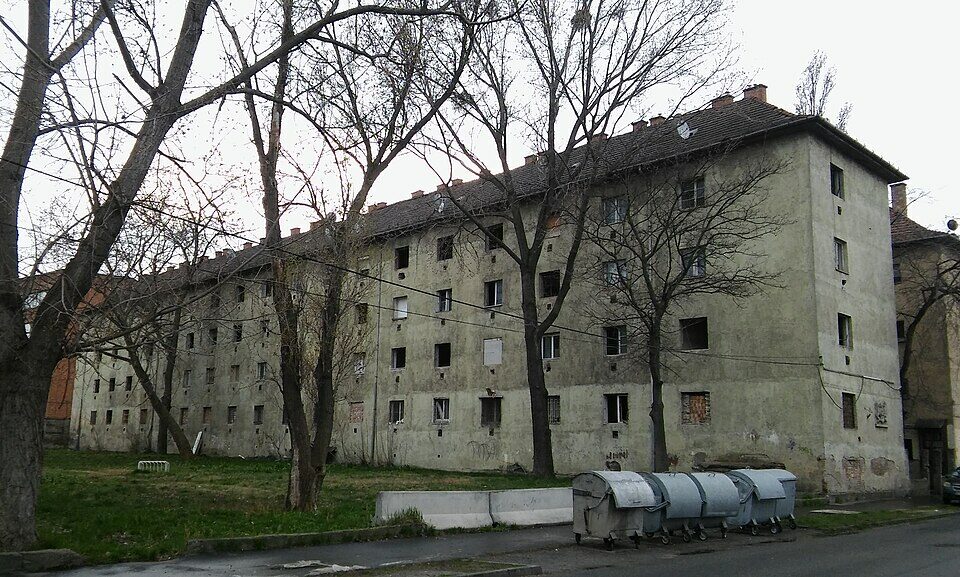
[654,350]
[540,420]
[161,406]
[303,488]
[23,385]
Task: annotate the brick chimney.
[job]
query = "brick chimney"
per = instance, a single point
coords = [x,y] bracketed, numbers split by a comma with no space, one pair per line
[721,101]
[639,125]
[457,181]
[898,198]
[294,231]
[657,120]
[756,92]
[416,194]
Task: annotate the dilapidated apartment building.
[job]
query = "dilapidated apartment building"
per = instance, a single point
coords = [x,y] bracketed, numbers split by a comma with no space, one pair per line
[805,373]
[927,277]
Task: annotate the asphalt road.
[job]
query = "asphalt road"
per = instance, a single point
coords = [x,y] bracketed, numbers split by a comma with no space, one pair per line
[930,549]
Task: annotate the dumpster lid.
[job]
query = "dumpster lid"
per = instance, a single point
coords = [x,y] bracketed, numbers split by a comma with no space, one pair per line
[781,474]
[629,489]
[766,486]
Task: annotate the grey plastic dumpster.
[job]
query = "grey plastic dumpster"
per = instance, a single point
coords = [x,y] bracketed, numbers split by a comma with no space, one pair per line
[610,505]
[720,501]
[759,493]
[679,506]
[786,505]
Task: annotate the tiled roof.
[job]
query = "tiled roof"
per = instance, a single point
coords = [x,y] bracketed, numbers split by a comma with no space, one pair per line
[740,122]
[904,230]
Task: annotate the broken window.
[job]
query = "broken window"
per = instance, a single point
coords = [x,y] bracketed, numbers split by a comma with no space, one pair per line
[361,313]
[266,289]
[395,412]
[96,386]
[615,272]
[849,405]
[441,355]
[553,409]
[492,351]
[614,209]
[231,414]
[184,411]
[211,375]
[93,417]
[261,371]
[694,334]
[112,385]
[212,336]
[845,331]
[444,300]
[109,418]
[206,415]
[359,363]
[143,416]
[401,257]
[836,181]
[840,254]
[125,417]
[490,411]
[692,194]
[400,308]
[615,340]
[494,234]
[694,261]
[493,293]
[128,384]
[441,410]
[550,283]
[616,405]
[550,346]
[398,358]
[695,408]
[445,248]
[258,414]
[237,333]
[189,339]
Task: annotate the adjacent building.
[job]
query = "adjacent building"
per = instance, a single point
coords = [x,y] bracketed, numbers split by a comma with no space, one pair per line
[804,373]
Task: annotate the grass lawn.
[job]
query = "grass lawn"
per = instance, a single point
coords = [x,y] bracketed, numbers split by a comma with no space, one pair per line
[834,524]
[97,505]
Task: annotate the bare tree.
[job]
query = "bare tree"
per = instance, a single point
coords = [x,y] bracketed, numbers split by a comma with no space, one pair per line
[813,91]
[156,72]
[367,92]
[682,231]
[563,75]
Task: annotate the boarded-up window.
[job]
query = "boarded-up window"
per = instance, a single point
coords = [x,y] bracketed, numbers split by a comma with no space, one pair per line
[695,408]
[492,351]
[849,405]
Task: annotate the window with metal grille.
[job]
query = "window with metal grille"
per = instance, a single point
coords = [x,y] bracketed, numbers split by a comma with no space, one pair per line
[849,406]
[553,409]
[692,193]
[695,408]
[445,248]
[617,409]
[395,412]
[490,411]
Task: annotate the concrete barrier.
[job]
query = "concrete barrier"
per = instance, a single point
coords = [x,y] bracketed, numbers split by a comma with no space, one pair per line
[532,506]
[441,509]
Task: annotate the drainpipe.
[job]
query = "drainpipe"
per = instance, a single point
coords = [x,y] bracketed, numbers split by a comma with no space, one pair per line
[376,362]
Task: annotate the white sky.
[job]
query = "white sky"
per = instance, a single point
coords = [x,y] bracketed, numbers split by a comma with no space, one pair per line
[895,63]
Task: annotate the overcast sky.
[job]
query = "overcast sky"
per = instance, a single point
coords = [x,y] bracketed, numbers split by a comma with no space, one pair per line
[895,62]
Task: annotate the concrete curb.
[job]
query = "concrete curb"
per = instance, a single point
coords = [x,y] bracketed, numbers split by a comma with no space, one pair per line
[508,572]
[261,542]
[477,509]
[905,521]
[40,560]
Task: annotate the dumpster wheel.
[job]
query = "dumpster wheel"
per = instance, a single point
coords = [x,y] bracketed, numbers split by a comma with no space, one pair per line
[702,535]
[686,536]
[754,530]
[608,543]
[775,528]
[665,539]
[792,523]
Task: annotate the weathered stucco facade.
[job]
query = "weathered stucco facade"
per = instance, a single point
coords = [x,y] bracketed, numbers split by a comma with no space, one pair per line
[775,380]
